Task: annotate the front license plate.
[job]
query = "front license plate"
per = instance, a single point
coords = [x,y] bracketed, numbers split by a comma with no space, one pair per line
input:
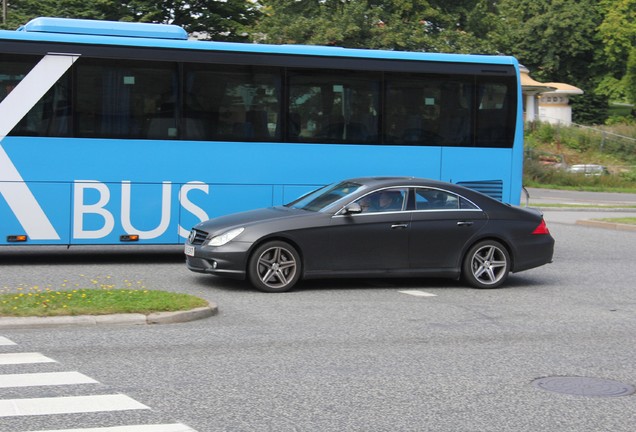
[189,250]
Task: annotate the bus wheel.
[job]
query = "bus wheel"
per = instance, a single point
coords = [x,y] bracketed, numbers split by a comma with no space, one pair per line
[486,264]
[274,267]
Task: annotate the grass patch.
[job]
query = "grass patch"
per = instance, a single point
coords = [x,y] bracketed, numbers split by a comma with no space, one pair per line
[625,220]
[99,301]
[528,182]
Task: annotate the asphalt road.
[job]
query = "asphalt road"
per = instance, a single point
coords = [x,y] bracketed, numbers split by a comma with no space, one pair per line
[344,355]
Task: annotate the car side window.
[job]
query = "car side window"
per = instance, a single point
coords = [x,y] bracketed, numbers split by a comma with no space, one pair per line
[386,200]
[435,199]
[464,204]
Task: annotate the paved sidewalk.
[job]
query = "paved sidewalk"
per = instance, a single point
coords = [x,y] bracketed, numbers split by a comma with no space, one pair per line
[588,217]
[583,208]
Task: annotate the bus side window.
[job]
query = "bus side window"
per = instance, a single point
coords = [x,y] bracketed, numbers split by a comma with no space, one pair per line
[52,114]
[456,121]
[495,114]
[337,107]
[428,110]
[126,99]
[233,103]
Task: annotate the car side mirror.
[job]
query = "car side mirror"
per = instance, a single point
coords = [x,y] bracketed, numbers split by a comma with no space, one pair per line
[353,208]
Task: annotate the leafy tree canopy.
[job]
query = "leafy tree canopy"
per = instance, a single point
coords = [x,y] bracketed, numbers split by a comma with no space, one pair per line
[587,43]
[555,39]
[219,20]
[413,25]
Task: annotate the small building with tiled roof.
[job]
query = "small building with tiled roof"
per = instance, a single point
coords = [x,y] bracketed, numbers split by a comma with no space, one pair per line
[554,105]
[547,102]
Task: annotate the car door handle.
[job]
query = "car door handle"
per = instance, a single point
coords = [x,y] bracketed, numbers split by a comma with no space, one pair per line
[399,226]
[464,223]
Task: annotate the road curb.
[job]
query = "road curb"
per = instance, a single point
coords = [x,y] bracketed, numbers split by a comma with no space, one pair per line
[606,225]
[584,209]
[114,319]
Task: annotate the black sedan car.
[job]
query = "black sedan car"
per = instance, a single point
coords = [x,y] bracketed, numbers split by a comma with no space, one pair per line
[374,227]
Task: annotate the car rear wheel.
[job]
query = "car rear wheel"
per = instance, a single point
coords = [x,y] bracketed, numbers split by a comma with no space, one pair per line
[486,264]
[274,267]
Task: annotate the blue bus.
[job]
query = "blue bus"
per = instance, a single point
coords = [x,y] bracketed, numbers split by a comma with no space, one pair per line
[115,132]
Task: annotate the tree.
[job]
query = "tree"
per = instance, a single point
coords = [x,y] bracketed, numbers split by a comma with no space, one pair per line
[618,35]
[329,22]
[220,20]
[630,77]
[19,12]
[217,20]
[617,31]
[555,39]
[412,25]
[590,108]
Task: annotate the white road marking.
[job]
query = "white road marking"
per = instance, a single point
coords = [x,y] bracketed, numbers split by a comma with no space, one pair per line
[68,405]
[418,293]
[44,379]
[177,427]
[5,341]
[22,358]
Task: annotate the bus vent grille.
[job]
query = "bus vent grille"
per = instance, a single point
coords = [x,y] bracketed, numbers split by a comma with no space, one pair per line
[492,188]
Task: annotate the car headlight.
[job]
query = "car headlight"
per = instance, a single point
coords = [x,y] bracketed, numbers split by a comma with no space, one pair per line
[225,238]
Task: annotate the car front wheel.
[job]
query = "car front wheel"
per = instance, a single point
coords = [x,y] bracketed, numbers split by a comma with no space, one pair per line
[486,264]
[274,267]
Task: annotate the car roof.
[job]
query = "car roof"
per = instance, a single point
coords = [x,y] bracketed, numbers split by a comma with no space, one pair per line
[402,181]
[484,201]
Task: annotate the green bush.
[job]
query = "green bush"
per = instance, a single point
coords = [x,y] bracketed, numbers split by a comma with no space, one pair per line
[547,147]
[545,132]
[629,176]
[537,174]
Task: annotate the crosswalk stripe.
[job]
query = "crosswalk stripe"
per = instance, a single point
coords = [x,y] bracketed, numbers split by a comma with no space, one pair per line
[68,405]
[22,358]
[44,379]
[5,341]
[177,427]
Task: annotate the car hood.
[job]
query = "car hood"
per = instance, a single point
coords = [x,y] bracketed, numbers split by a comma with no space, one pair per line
[249,218]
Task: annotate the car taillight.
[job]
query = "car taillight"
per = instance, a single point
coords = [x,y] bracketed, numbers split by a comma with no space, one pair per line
[542,228]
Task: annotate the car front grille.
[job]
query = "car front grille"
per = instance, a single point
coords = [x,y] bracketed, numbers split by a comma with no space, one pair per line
[197,237]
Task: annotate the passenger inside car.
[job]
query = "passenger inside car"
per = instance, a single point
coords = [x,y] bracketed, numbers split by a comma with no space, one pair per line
[383,201]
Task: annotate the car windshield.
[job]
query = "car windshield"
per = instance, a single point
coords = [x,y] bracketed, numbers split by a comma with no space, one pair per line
[322,198]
